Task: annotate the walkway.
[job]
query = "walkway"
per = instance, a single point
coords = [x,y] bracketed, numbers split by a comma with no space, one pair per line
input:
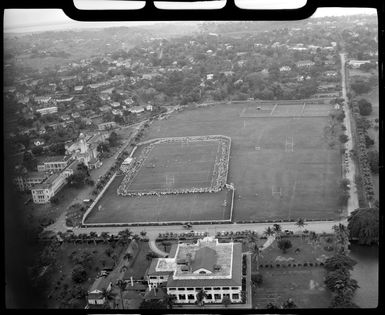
[155,249]
[351,168]
[267,244]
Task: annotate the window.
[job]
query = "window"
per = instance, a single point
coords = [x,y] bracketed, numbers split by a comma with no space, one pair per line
[191,297]
[217,296]
[202,272]
[190,289]
[209,297]
[171,289]
[235,288]
[207,289]
[182,296]
[217,289]
[225,288]
[182,289]
[152,277]
[235,296]
[198,289]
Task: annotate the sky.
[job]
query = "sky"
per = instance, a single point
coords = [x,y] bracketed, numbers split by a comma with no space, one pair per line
[22,20]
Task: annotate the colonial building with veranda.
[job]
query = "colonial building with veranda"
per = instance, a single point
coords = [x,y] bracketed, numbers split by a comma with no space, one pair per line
[215,268]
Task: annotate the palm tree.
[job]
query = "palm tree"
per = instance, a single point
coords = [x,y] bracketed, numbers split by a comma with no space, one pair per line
[122,286]
[143,234]
[107,294]
[252,243]
[300,223]
[93,235]
[277,230]
[170,300]
[124,236]
[268,232]
[105,236]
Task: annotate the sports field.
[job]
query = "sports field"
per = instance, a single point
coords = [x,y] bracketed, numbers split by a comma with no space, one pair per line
[183,207]
[282,168]
[279,109]
[177,165]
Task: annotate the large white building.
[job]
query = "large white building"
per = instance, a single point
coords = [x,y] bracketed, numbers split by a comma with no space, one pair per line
[215,268]
[85,149]
[43,192]
[53,163]
[28,180]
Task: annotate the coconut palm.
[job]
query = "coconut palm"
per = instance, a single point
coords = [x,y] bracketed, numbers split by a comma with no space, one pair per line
[105,237]
[170,300]
[108,296]
[252,244]
[122,286]
[300,223]
[268,232]
[93,236]
[277,230]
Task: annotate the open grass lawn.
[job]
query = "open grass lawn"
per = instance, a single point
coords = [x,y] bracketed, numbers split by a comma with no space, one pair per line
[138,264]
[304,285]
[177,165]
[271,184]
[307,178]
[59,277]
[183,207]
[282,110]
[307,252]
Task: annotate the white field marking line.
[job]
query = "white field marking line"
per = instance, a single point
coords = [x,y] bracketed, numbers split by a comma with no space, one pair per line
[293,194]
[303,108]
[272,111]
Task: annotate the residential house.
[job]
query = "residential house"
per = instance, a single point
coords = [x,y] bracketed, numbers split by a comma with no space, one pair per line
[38,142]
[136,109]
[305,63]
[357,63]
[78,88]
[107,125]
[284,69]
[95,294]
[47,110]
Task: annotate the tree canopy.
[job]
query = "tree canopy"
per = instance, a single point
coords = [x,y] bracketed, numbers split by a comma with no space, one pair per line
[363,224]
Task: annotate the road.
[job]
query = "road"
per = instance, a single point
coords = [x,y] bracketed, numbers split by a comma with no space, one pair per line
[212,229]
[349,145]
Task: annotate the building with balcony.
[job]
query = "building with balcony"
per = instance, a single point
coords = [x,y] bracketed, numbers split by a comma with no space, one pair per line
[215,268]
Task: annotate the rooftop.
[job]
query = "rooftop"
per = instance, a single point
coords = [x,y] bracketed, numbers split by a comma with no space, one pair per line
[56,158]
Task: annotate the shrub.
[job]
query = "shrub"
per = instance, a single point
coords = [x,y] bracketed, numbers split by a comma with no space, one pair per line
[284,245]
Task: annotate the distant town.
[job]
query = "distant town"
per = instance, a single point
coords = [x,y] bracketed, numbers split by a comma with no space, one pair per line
[219,165]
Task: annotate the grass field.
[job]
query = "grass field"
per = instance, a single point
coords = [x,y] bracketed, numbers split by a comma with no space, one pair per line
[177,165]
[284,110]
[307,178]
[305,286]
[183,207]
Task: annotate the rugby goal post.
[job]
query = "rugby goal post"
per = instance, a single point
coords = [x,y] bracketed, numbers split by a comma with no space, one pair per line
[170,179]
